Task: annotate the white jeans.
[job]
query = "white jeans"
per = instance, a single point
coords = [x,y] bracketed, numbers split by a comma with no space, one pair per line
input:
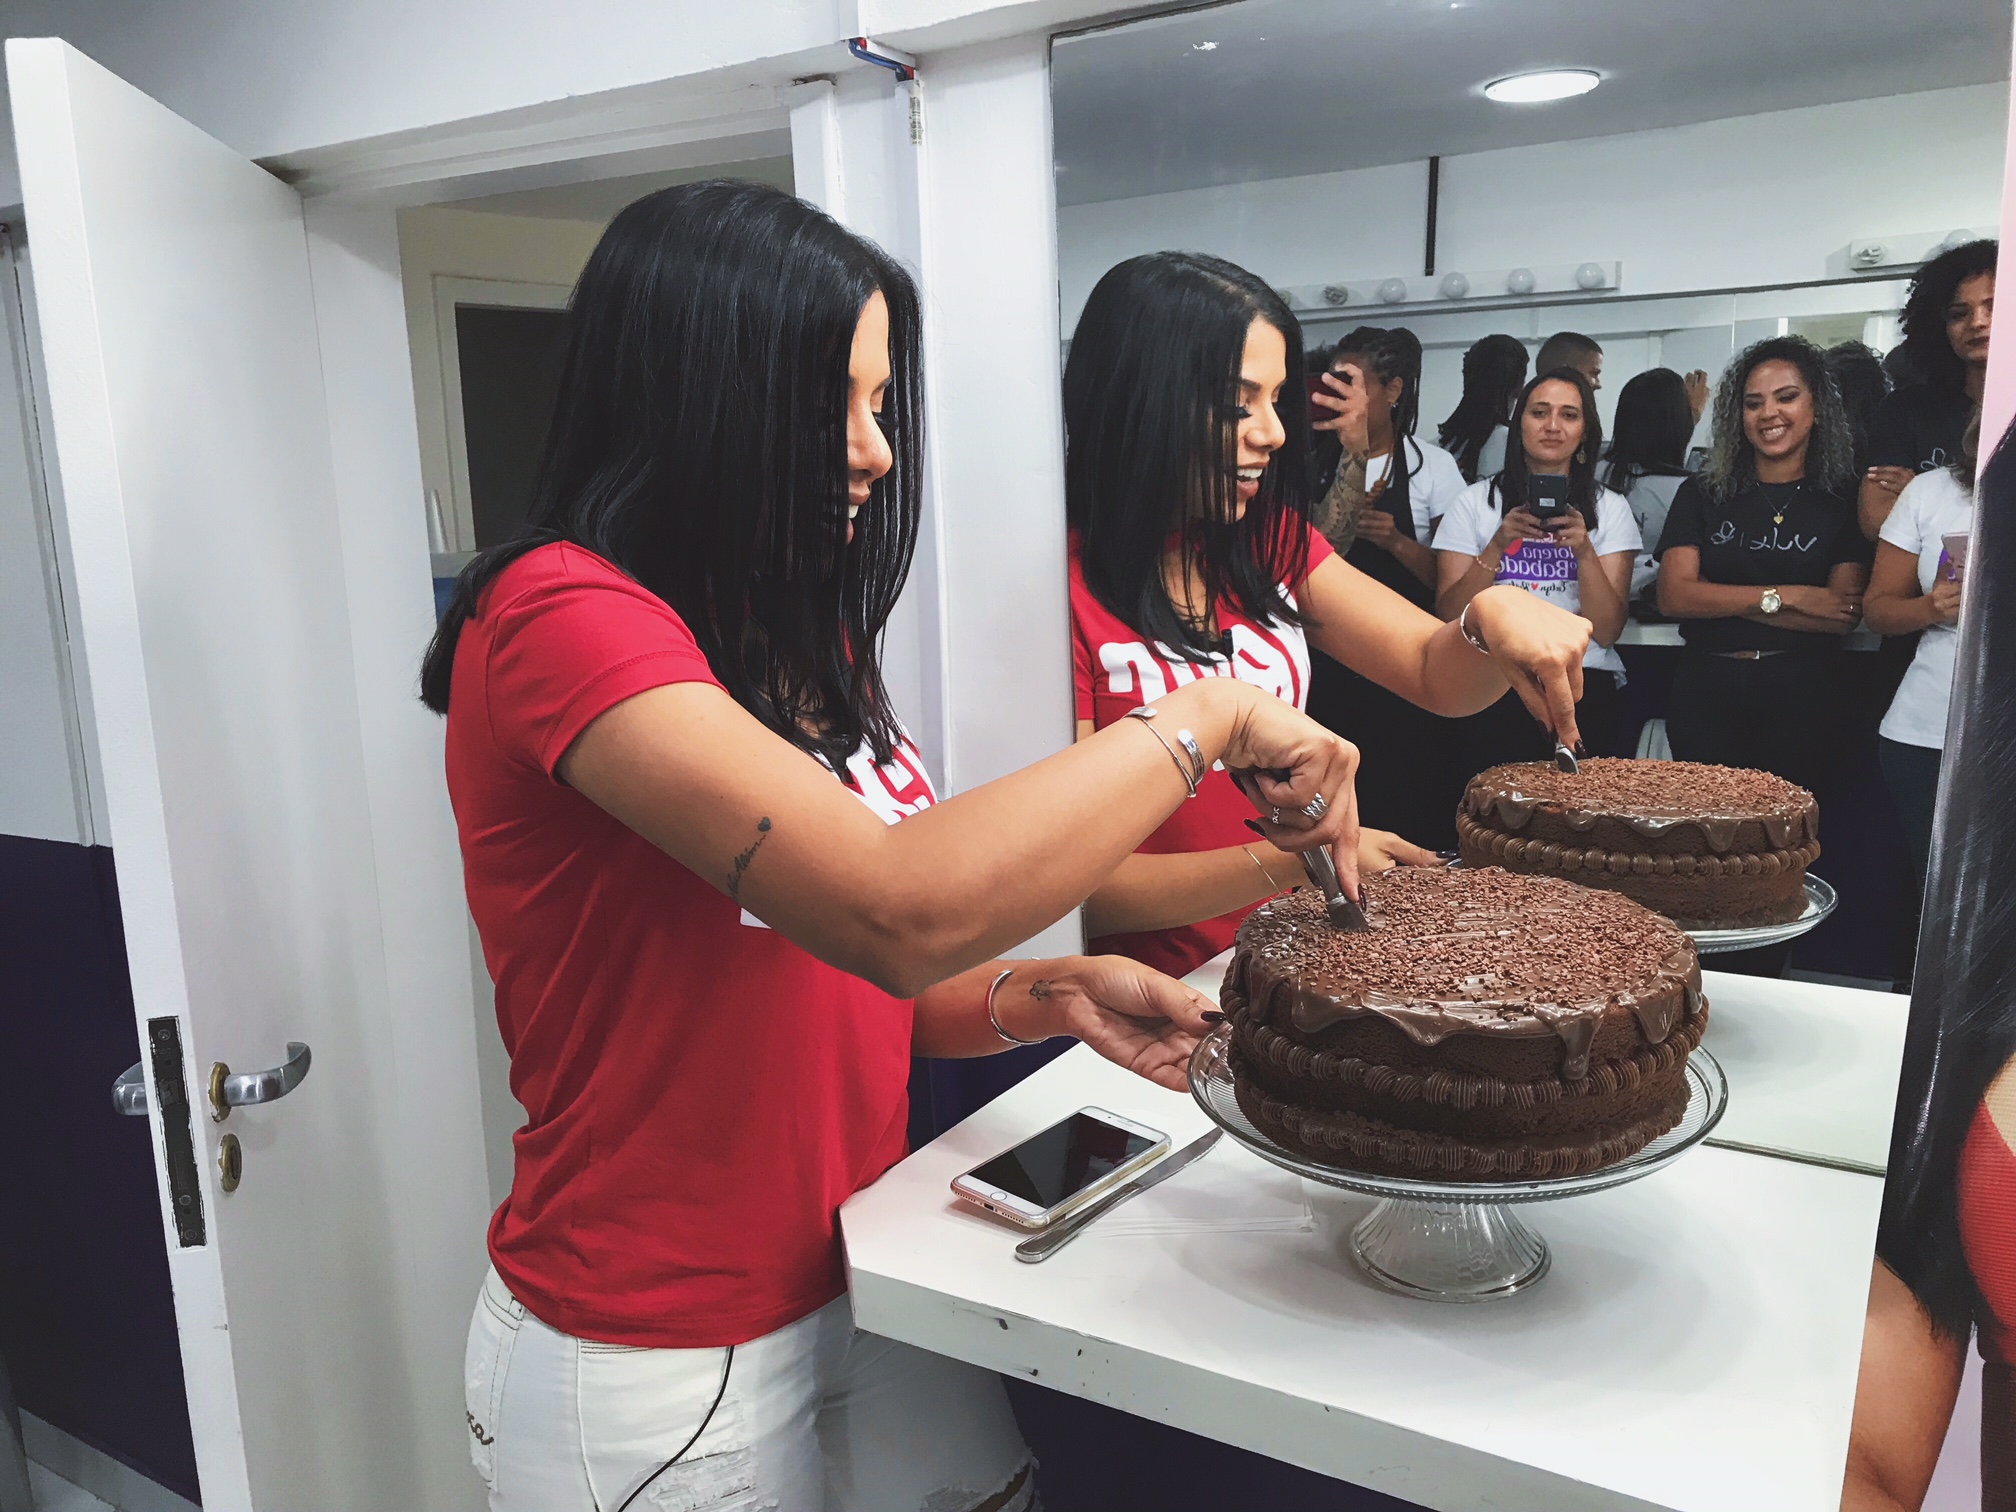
[815,1417]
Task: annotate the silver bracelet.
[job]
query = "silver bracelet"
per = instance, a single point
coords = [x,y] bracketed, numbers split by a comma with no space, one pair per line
[1193,774]
[1476,640]
[995,1019]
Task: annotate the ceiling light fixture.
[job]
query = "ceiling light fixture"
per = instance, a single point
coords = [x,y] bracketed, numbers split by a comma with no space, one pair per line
[1548,84]
[1207,46]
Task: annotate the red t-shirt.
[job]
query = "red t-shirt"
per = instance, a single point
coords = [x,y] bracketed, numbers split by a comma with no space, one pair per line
[701,1095]
[1118,670]
[1988,1231]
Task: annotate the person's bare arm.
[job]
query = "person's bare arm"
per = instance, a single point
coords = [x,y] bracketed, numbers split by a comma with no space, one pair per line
[1832,610]
[1904,1398]
[1878,496]
[1535,648]
[1380,528]
[1894,606]
[1131,1014]
[911,904]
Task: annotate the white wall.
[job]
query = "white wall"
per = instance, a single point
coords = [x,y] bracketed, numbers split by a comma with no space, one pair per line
[1765,199]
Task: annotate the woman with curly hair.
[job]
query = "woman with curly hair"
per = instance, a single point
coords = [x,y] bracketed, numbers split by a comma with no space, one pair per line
[1918,427]
[1763,565]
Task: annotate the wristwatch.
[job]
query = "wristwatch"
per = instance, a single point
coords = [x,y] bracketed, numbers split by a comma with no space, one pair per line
[1772,601]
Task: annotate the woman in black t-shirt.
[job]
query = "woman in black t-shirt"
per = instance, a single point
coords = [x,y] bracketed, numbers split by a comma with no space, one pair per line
[1764,566]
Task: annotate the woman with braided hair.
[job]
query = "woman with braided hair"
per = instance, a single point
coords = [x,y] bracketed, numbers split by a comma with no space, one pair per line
[1381,494]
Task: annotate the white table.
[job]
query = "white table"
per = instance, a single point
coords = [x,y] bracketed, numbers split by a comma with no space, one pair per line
[1695,1345]
[1812,1068]
[1693,1348]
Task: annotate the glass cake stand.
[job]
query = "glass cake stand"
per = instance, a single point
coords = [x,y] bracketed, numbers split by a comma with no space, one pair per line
[1820,901]
[1453,1241]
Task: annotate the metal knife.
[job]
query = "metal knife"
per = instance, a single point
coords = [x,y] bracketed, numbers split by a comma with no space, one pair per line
[1318,865]
[1564,760]
[1054,1238]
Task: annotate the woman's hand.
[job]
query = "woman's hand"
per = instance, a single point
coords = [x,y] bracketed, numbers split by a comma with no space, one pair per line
[1341,407]
[1382,850]
[1945,596]
[1377,526]
[1539,648]
[1520,524]
[1285,763]
[1131,1014]
[1572,531]
[1822,603]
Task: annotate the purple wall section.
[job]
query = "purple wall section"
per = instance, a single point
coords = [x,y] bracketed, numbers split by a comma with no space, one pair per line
[87,1320]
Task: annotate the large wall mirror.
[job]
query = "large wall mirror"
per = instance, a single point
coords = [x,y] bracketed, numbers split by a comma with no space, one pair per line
[1776,174]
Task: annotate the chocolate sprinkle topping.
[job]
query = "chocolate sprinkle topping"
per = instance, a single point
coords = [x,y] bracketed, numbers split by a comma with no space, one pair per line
[1480,951]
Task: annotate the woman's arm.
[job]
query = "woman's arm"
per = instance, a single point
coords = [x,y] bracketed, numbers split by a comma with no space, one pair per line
[1150,892]
[910,904]
[1903,1401]
[1894,606]
[1383,531]
[1832,610]
[1878,496]
[1130,1013]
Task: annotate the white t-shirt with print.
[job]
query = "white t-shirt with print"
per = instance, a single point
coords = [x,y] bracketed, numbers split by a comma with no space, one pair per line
[1434,482]
[1933,505]
[1543,567]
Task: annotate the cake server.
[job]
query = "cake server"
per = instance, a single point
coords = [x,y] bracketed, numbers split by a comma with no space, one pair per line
[1564,760]
[1054,1238]
[1318,864]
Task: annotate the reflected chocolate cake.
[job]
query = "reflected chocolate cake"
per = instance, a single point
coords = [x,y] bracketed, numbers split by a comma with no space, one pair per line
[1710,847]
[1489,1027]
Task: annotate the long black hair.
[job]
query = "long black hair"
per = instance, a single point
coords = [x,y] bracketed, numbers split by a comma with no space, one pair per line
[1927,349]
[1654,424]
[699,443]
[1962,1029]
[1860,376]
[1830,452]
[1493,370]
[1151,420]
[1511,488]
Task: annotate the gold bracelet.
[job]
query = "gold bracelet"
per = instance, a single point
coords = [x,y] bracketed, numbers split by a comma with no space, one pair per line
[1263,868]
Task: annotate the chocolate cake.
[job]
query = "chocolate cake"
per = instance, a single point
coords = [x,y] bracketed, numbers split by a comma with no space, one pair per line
[1710,847]
[1489,1027]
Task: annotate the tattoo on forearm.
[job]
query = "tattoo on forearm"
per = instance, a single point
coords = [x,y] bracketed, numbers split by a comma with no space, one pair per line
[741,866]
[1040,990]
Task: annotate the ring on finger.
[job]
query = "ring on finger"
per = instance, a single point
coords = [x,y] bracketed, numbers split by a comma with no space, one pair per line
[1275,815]
[1316,808]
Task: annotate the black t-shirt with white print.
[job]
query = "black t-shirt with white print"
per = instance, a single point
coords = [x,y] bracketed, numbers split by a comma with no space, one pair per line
[1769,535]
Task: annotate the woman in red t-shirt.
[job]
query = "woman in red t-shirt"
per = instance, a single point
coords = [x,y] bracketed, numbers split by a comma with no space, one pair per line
[678,782]
[1187,478]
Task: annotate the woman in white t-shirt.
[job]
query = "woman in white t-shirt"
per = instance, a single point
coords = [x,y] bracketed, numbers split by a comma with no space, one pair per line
[1915,586]
[1580,561]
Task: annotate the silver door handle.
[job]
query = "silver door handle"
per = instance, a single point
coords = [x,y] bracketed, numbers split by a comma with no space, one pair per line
[229,1089]
[129,1093]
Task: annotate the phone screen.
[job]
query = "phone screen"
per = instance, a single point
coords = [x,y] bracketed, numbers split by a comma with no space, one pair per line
[1064,1159]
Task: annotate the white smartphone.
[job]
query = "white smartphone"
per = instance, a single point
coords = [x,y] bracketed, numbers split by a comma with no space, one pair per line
[1075,1161]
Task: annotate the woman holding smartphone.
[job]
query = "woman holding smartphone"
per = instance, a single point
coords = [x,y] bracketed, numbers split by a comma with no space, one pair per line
[1546,526]
[720,903]
[1187,483]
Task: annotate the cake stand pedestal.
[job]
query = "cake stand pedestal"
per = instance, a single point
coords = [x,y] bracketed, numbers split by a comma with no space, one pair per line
[1453,1241]
[1820,901]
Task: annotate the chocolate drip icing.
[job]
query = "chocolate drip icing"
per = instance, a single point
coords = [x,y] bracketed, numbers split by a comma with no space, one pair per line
[1467,952]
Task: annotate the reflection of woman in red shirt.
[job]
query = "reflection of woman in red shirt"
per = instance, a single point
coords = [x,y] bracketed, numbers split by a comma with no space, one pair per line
[1946,1248]
[1187,489]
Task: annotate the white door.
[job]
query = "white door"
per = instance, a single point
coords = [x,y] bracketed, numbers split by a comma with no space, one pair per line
[319,1338]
